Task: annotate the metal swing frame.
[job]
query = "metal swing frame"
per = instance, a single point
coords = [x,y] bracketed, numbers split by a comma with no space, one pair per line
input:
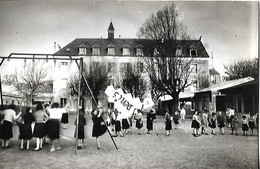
[34,56]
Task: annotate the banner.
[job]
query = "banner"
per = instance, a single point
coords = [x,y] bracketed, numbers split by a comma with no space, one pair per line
[125,103]
[122,102]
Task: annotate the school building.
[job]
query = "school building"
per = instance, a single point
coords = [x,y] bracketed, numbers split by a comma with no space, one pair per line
[119,53]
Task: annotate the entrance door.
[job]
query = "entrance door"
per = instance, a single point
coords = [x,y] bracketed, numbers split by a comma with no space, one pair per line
[63,102]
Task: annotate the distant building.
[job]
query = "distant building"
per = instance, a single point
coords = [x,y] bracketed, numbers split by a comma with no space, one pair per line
[214,76]
[119,53]
[242,95]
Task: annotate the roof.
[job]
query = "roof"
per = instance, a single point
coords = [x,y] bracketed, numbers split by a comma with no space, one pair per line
[213,72]
[111,27]
[72,49]
[227,85]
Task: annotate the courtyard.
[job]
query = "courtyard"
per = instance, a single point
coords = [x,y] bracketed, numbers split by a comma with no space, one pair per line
[179,150]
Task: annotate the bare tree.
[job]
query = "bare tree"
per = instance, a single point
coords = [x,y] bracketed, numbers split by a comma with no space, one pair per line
[30,82]
[133,81]
[168,67]
[97,77]
[203,80]
[242,69]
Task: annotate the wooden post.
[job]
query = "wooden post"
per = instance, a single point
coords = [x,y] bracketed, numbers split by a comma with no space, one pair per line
[1,92]
[78,105]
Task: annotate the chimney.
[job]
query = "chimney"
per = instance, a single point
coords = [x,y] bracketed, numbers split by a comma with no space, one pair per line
[110,31]
[54,46]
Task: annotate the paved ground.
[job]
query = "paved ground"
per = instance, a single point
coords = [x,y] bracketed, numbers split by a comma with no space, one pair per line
[179,150]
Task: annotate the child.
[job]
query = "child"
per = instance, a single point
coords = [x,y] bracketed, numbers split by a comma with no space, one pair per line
[244,125]
[118,123]
[81,131]
[113,120]
[27,128]
[176,119]
[139,121]
[168,123]
[234,124]
[212,122]
[221,123]
[7,123]
[130,120]
[53,126]
[125,124]
[195,124]
[65,117]
[183,114]
[251,124]
[98,127]
[20,124]
[204,121]
[150,119]
[39,128]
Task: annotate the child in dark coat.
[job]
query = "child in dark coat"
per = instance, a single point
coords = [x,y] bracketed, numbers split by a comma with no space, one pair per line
[168,123]
[27,128]
[81,131]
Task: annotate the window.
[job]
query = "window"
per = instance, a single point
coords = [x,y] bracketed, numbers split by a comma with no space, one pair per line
[111,66]
[124,67]
[126,51]
[63,102]
[178,52]
[82,49]
[64,63]
[111,50]
[139,52]
[155,52]
[193,51]
[111,81]
[95,50]
[140,66]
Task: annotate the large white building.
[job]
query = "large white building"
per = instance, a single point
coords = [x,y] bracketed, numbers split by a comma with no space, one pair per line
[118,53]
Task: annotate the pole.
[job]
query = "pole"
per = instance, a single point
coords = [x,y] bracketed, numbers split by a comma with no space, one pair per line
[78,105]
[1,92]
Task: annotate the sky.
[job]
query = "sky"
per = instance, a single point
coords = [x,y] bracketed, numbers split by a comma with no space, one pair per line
[229,29]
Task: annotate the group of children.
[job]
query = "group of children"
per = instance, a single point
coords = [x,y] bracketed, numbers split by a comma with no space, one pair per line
[213,121]
[46,124]
[122,125]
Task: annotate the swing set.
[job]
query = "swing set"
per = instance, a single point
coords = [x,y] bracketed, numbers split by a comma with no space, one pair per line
[46,57]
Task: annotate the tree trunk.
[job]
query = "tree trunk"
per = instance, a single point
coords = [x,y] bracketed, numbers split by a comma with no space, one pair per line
[175,104]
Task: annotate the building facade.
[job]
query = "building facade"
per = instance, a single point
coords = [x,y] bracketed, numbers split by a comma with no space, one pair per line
[120,53]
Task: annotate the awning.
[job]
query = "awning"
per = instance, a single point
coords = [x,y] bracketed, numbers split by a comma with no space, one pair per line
[186,96]
[165,98]
[226,85]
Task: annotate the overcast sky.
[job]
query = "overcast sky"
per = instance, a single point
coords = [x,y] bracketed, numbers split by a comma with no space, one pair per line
[229,30]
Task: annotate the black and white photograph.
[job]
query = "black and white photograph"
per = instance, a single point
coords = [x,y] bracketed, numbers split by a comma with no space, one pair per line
[132,84]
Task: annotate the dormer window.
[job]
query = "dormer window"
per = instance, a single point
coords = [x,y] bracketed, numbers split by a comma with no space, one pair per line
[126,50]
[111,50]
[96,50]
[139,50]
[193,51]
[179,51]
[82,50]
[155,52]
